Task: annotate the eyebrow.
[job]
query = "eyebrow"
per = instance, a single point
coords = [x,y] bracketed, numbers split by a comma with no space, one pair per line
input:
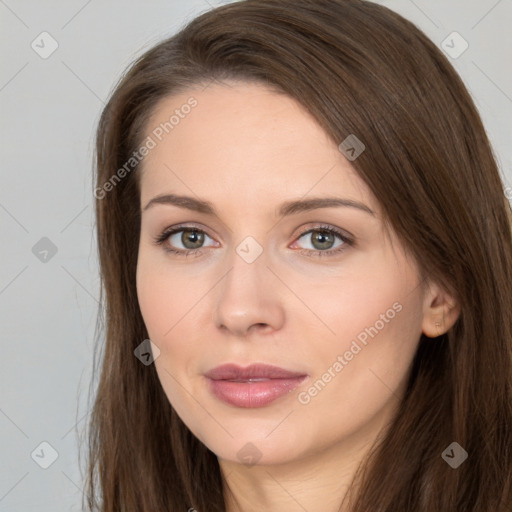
[287,208]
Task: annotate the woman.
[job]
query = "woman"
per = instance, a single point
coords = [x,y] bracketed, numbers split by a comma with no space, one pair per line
[306,256]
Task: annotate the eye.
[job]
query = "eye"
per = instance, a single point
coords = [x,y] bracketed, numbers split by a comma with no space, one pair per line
[190,237]
[322,241]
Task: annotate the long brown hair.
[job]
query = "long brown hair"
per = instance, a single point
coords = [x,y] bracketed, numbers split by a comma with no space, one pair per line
[359,68]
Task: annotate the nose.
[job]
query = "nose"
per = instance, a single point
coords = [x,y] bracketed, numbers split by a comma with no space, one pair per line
[249,298]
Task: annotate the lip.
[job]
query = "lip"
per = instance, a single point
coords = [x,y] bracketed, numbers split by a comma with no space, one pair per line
[256,385]
[233,371]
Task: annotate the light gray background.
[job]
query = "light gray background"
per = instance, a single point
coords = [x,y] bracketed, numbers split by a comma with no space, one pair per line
[49,110]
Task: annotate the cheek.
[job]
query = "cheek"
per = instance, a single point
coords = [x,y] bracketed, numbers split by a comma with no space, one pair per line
[341,309]
[168,304]
[380,304]
[163,305]
[376,319]
[153,296]
[164,297]
[377,337]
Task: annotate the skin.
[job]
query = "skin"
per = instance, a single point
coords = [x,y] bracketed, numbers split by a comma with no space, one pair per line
[246,150]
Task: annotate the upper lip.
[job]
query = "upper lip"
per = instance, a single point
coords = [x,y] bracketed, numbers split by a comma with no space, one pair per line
[232,371]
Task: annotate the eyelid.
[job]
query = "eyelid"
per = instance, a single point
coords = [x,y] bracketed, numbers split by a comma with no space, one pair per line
[171,230]
[321,226]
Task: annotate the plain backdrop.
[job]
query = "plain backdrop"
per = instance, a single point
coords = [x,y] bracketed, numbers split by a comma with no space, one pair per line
[49,285]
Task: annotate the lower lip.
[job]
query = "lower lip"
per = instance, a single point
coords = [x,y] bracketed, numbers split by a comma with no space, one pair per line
[253,394]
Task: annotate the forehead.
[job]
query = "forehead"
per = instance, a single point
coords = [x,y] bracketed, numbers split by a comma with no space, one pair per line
[243,140]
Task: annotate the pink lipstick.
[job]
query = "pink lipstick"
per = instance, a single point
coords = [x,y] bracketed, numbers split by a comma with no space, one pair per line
[256,385]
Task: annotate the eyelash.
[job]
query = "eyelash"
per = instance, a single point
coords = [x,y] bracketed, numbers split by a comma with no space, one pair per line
[347,241]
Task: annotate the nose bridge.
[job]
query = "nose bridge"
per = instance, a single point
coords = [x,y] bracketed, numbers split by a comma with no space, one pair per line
[247,295]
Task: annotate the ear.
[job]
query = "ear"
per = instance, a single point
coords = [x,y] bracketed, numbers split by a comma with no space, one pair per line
[440,311]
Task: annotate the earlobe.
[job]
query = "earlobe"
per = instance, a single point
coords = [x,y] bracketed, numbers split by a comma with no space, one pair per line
[440,313]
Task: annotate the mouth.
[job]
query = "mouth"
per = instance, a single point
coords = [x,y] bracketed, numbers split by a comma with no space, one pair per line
[254,386]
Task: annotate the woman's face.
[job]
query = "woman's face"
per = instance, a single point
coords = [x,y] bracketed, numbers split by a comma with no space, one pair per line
[270,277]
